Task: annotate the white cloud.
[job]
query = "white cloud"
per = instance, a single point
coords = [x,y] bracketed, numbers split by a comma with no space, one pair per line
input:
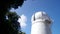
[22,21]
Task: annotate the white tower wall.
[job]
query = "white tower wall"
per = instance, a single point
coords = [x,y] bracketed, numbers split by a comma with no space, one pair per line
[40,23]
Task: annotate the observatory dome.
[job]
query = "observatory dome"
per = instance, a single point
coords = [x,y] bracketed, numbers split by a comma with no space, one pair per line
[40,15]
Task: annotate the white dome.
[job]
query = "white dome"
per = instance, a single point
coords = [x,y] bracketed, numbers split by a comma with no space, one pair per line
[40,15]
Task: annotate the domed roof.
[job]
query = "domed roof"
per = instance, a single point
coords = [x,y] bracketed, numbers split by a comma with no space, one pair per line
[40,15]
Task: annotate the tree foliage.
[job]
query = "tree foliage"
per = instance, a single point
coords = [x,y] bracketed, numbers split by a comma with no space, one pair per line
[6,5]
[14,25]
[11,25]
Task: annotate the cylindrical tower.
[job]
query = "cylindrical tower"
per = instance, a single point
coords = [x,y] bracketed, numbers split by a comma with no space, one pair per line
[40,23]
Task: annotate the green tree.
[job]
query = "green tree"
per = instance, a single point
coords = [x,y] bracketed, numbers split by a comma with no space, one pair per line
[12,22]
[5,6]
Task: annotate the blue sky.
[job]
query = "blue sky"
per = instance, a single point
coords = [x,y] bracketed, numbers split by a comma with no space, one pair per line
[51,7]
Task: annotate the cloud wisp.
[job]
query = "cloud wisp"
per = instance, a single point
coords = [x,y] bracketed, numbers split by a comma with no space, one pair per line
[22,21]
